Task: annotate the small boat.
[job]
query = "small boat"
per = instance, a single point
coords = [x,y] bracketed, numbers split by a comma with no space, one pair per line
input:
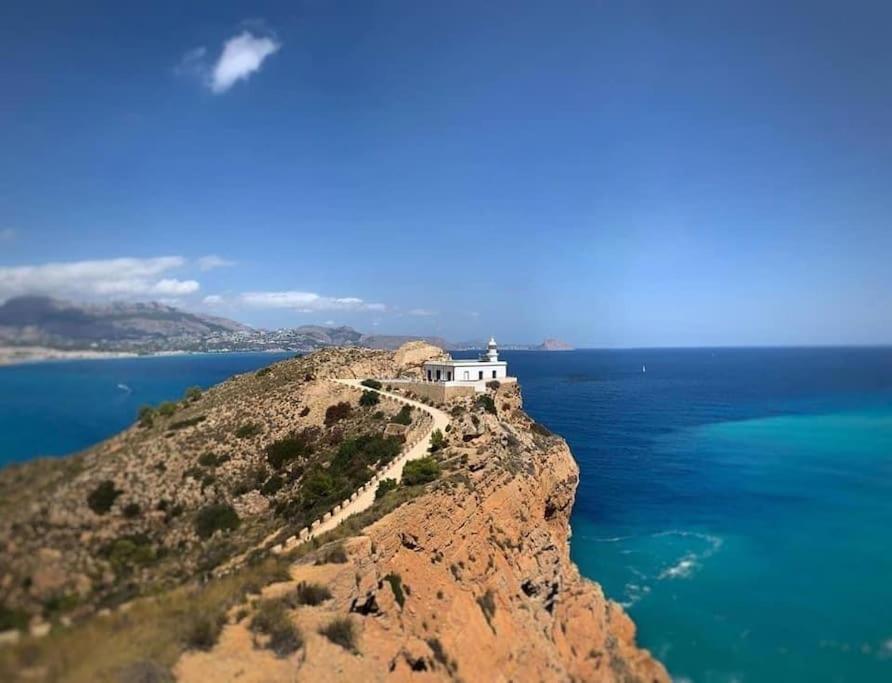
[643,368]
[124,387]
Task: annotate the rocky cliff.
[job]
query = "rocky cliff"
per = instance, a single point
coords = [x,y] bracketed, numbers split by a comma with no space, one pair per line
[462,575]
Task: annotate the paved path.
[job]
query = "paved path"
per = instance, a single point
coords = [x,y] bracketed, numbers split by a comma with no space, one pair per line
[366,498]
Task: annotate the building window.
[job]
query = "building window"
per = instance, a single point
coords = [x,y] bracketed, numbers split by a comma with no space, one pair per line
[429,376]
[480,375]
[449,376]
[493,374]
[467,375]
[438,375]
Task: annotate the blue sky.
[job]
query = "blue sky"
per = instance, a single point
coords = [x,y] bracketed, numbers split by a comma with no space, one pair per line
[613,174]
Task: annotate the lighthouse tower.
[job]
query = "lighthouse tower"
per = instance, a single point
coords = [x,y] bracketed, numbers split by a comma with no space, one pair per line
[492,352]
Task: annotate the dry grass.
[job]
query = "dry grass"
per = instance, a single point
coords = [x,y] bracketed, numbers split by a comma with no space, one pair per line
[154,630]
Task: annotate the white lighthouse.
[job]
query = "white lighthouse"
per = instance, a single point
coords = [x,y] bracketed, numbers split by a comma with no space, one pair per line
[492,351]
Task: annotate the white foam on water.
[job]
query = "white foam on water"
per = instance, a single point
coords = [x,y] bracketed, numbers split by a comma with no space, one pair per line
[690,561]
[682,569]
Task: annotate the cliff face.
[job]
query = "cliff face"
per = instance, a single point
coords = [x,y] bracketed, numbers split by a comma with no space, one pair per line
[470,581]
[467,577]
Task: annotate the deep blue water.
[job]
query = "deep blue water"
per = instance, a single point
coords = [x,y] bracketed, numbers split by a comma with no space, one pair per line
[61,407]
[738,502]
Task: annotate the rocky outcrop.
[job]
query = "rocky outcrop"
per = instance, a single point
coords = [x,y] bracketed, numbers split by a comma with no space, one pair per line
[467,577]
[471,581]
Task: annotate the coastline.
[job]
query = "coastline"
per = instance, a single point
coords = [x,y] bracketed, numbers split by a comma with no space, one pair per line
[24,355]
[28,355]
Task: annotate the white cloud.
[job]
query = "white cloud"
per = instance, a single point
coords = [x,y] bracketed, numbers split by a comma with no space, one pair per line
[102,278]
[212,261]
[213,300]
[422,312]
[242,56]
[7,235]
[172,287]
[308,302]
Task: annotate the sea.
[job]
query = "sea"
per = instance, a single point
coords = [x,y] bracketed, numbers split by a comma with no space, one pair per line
[737,502]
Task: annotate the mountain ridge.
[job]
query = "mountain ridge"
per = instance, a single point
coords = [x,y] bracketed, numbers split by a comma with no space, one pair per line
[124,327]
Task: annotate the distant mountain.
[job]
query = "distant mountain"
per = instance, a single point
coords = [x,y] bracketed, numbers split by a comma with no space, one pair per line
[44,321]
[554,345]
[40,321]
[329,336]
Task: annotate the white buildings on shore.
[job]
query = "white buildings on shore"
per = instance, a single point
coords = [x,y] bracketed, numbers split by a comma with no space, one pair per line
[468,372]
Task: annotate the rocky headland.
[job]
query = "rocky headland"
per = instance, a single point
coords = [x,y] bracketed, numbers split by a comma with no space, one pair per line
[149,557]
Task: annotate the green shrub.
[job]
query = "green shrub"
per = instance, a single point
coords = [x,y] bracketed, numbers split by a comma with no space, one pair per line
[128,552]
[337,412]
[493,384]
[404,417]
[253,480]
[371,383]
[58,604]
[365,450]
[384,487]
[203,631]
[192,394]
[369,398]
[318,485]
[341,632]
[420,471]
[146,416]
[311,594]
[263,372]
[189,422]
[437,441]
[485,401]
[396,585]
[167,409]
[215,517]
[103,497]
[208,460]
[131,510]
[12,618]
[247,430]
[272,620]
[297,445]
[272,485]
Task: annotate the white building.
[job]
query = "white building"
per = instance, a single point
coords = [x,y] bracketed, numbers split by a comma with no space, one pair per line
[469,372]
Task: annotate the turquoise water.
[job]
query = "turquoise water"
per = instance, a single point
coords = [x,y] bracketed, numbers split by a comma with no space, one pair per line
[738,502]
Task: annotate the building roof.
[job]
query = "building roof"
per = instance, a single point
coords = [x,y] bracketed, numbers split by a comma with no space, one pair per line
[466,361]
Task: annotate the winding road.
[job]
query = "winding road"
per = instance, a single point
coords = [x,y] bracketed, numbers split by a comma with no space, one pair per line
[366,497]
